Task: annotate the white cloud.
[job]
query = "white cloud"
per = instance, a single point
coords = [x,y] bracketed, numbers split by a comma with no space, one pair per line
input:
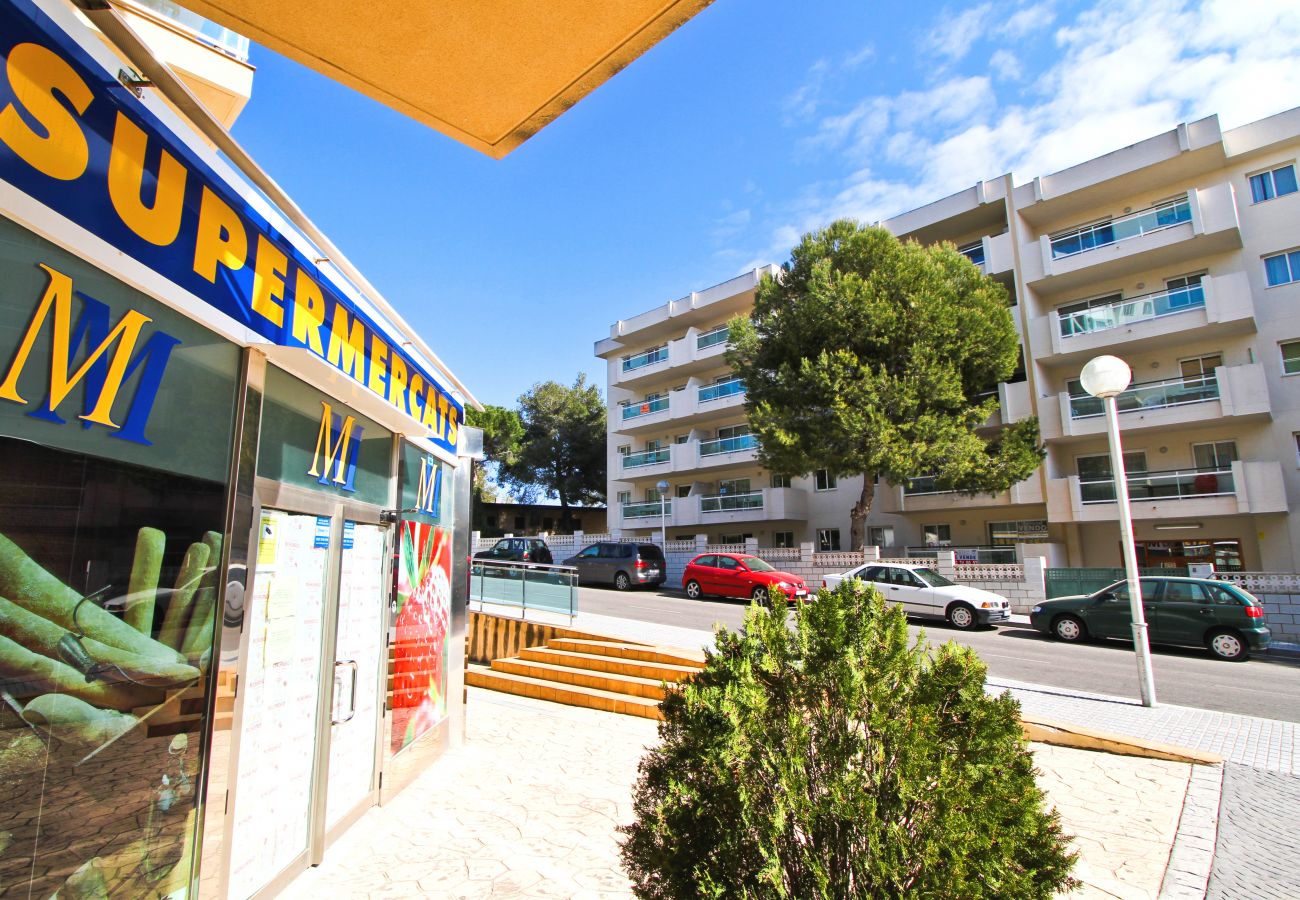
[1005,65]
[1121,71]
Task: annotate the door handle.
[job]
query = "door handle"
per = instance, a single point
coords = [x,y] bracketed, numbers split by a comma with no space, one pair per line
[352,701]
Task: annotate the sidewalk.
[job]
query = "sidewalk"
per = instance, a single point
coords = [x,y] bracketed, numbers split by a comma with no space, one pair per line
[529,807]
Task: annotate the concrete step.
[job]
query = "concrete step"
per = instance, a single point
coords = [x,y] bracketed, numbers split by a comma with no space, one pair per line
[652,688]
[570,694]
[674,656]
[598,662]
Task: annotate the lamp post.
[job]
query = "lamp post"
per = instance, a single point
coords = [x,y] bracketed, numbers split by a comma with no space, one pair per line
[663,487]
[1105,377]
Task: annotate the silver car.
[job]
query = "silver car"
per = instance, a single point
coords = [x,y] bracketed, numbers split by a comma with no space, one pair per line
[622,564]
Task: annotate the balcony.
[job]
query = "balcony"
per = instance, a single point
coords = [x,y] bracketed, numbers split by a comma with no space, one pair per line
[646,458]
[641,408]
[721,389]
[1013,404]
[766,505]
[1172,233]
[1222,304]
[1245,487]
[923,495]
[713,337]
[1234,392]
[646,358]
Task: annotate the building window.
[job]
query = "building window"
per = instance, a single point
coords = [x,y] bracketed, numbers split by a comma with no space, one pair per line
[1008,534]
[880,535]
[783,539]
[1297,446]
[1200,368]
[1078,318]
[824,480]
[828,540]
[1277,183]
[729,486]
[733,538]
[683,490]
[938,535]
[624,449]
[624,497]
[1282,268]
[1291,358]
[1216,457]
[519,523]
[681,438]
[780,481]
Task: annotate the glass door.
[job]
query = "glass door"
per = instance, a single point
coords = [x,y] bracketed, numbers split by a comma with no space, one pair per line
[278,723]
[358,658]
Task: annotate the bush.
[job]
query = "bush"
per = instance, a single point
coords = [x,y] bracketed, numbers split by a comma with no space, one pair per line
[835,760]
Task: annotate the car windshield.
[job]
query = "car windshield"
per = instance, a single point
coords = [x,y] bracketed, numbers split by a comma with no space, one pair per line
[757,565]
[933,578]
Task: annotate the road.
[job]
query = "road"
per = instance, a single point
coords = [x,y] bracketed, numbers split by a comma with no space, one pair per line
[1269,688]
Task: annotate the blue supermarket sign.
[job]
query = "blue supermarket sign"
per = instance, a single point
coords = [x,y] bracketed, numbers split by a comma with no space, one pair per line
[82,144]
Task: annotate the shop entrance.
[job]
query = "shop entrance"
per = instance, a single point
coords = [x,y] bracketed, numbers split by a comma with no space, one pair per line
[308,733]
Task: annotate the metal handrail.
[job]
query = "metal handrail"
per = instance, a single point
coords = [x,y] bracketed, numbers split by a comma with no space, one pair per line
[645,458]
[646,509]
[728,502]
[1150,395]
[1101,234]
[1130,310]
[548,579]
[1173,484]
[646,358]
[644,407]
[722,389]
[716,336]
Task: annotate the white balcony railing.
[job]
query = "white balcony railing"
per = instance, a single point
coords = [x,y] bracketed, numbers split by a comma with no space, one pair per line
[644,408]
[719,335]
[645,458]
[1151,395]
[728,445]
[647,358]
[731,502]
[651,508]
[1132,310]
[721,389]
[1176,484]
[1101,234]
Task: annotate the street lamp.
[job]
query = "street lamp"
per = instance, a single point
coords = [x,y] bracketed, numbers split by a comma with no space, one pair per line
[663,487]
[1106,377]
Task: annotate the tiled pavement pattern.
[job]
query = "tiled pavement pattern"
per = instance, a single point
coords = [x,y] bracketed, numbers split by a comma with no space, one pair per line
[1260,849]
[528,806]
[1261,743]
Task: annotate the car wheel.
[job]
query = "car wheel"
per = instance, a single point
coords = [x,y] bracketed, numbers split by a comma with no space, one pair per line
[1069,628]
[760,596]
[1228,645]
[693,590]
[622,582]
[960,615]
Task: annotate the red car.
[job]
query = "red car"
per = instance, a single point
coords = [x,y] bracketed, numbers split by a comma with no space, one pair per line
[739,575]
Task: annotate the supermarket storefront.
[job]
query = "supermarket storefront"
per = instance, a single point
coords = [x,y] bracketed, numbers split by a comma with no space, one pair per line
[232,507]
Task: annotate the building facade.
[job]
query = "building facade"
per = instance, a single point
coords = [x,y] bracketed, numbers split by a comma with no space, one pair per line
[1180,254]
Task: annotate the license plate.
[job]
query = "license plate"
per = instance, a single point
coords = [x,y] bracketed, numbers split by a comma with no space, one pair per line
[801,593]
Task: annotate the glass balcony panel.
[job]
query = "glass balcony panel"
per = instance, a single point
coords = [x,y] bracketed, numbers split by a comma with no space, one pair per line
[1152,395]
[644,408]
[728,445]
[710,338]
[1178,484]
[646,458]
[648,358]
[925,484]
[722,389]
[646,510]
[727,503]
[1133,225]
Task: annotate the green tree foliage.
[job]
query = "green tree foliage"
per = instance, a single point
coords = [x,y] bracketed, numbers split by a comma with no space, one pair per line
[502,432]
[562,450]
[875,357]
[833,761]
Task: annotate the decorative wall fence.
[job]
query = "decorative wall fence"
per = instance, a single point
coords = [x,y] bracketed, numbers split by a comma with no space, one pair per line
[1024,584]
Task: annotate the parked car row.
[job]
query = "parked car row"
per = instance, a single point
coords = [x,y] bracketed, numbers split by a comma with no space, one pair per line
[1196,612]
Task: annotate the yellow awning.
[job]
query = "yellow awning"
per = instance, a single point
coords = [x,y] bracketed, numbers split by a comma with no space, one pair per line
[489,73]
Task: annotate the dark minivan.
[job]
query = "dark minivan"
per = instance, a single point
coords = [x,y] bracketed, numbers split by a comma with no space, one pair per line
[623,565]
[532,550]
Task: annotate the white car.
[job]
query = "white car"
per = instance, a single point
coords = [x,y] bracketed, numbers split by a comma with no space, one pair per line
[924,592]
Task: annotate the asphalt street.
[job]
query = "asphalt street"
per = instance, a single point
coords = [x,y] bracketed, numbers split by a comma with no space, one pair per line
[1265,687]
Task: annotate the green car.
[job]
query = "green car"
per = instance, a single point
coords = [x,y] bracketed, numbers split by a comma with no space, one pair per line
[1194,612]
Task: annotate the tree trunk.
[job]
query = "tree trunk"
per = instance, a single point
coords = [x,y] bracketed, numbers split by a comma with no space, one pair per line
[858,515]
[564,515]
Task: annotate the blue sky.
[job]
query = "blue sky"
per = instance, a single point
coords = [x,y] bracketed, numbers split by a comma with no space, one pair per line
[755,122]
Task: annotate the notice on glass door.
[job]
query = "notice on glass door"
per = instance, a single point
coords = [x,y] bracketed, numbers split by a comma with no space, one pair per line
[277,733]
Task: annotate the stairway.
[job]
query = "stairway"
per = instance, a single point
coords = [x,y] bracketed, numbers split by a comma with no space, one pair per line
[617,676]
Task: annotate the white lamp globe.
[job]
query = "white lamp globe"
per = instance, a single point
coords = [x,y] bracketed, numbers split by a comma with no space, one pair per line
[1106,376]
[663,486]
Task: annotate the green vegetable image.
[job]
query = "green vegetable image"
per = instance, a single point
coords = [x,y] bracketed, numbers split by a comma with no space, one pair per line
[43,636]
[76,722]
[26,674]
[26,583]
[198,633]
[187,584]
[149,546]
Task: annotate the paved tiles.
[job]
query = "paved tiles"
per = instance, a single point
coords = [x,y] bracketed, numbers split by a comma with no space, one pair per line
[1259,854]
[1262,743]
[528,807]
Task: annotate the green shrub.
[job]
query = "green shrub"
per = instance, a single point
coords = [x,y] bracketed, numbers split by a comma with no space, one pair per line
[835,760]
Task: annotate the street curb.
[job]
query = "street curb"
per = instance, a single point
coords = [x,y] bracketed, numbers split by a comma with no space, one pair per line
[1191,858]
[1064,734]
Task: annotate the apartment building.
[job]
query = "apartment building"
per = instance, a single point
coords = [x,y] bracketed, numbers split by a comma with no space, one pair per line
[1180,254]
